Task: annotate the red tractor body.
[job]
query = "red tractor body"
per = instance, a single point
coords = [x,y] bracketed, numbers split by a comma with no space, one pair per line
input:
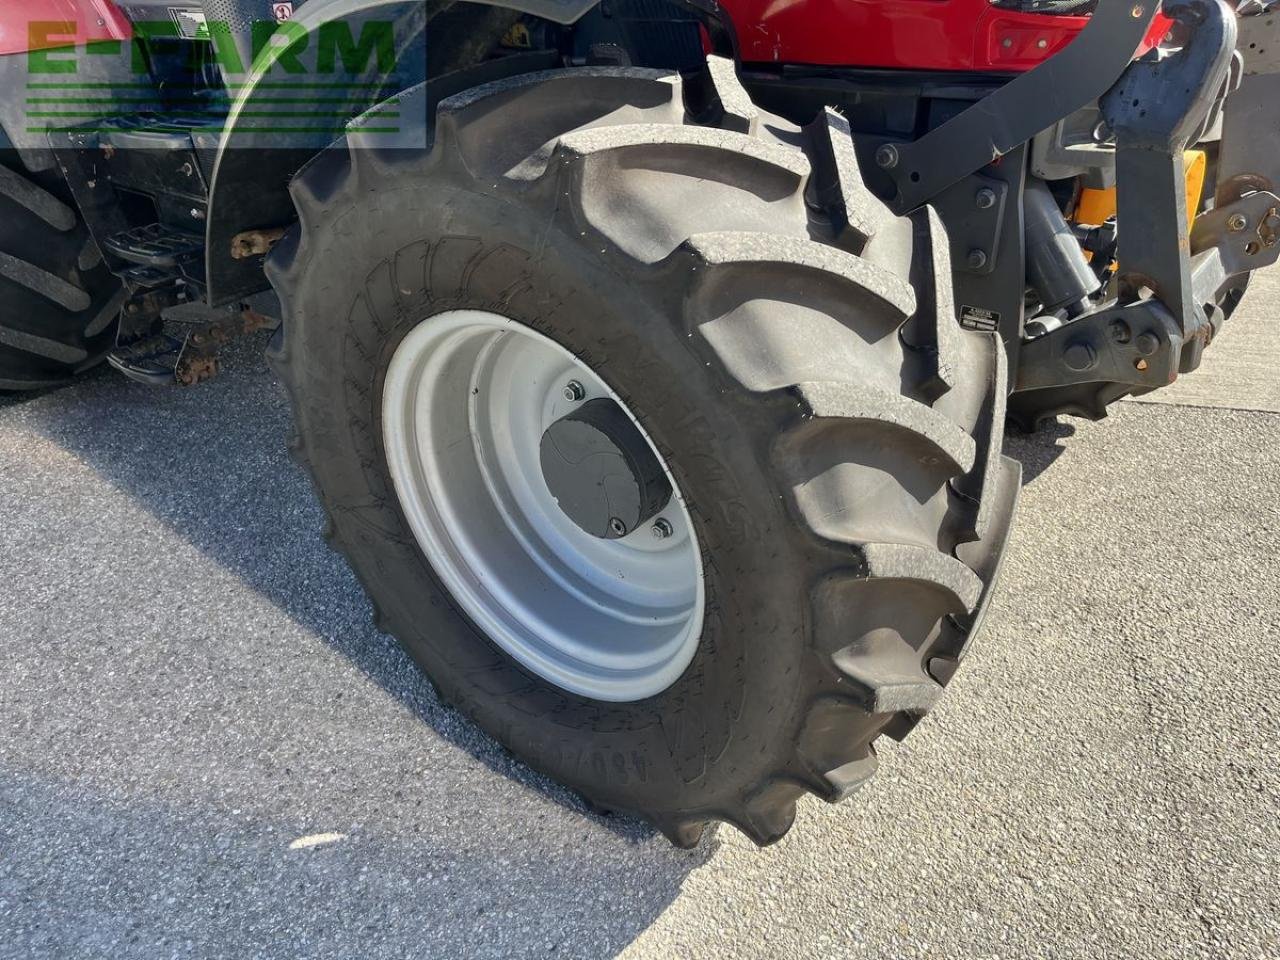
[924,35]
[943,35]
[48,24]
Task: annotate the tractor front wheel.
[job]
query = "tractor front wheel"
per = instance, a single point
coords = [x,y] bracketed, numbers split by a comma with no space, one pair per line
[651,434]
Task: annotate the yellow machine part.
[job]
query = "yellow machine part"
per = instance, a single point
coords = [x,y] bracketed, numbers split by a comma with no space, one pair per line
[1096,207]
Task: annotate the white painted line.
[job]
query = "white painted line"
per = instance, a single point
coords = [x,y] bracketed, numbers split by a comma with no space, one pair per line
[316,840]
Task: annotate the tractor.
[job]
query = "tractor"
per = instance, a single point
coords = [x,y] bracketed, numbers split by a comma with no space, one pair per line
[651,358]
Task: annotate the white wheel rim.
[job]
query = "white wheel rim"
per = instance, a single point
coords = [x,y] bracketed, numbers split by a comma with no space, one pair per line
[468,396]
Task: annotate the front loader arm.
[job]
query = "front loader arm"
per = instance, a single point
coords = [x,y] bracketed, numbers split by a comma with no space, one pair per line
[1165,303]
[1026,105]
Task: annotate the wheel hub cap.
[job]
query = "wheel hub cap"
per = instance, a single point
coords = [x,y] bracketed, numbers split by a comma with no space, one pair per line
[601,470]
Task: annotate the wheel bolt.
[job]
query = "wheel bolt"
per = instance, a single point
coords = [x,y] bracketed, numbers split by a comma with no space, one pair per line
[887,156]
[617,527]
[575,392]
[662,528]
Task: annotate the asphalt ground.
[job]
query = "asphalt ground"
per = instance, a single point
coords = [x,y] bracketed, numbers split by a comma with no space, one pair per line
[206,750]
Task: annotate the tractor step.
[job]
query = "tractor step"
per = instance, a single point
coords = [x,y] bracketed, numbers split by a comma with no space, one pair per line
[149,278]
[164,360]
[152,360]
[155,246]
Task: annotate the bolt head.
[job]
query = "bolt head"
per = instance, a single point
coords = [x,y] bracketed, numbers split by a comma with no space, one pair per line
[1147,343]
[985,198]
[1080,356]
[575,392]
[887,156]
[662,528]
[977,259]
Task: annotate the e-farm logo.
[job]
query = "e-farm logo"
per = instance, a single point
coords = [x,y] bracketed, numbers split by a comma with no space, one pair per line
[174,75]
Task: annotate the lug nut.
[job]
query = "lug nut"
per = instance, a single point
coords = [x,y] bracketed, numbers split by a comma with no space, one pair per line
[977,259]
[662,528]
[575,392]
[985,198]
[887,156]
[1237,223]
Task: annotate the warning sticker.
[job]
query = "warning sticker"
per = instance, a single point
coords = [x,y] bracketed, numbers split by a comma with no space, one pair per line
[979,318]
[192,24]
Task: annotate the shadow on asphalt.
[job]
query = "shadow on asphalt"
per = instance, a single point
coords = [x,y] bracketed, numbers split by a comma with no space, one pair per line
[1038,451]
[211,464]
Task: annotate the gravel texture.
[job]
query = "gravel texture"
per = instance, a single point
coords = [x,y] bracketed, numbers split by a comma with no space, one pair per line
[206,750]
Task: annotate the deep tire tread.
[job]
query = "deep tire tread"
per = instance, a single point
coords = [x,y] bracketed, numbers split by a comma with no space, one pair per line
[843,782]
[859,216]
[36,199]
[859,689]
[890,296]
[58,301]
[732,104]
[854,401]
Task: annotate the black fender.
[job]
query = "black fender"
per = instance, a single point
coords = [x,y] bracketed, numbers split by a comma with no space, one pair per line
[249,190]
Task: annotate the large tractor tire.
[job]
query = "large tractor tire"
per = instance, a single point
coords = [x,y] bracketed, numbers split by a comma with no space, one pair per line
[611,275]
[59,304]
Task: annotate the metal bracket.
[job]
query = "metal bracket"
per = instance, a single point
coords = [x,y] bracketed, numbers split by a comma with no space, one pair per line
[1158,106]
[1076,146]
[1138,345]
[1022,108]
[1239,238]
[1082,367]
[1163,102]
[974,213]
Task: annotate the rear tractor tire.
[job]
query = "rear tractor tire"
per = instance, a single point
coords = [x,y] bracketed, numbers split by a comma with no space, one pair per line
[602,291]
[59,304]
